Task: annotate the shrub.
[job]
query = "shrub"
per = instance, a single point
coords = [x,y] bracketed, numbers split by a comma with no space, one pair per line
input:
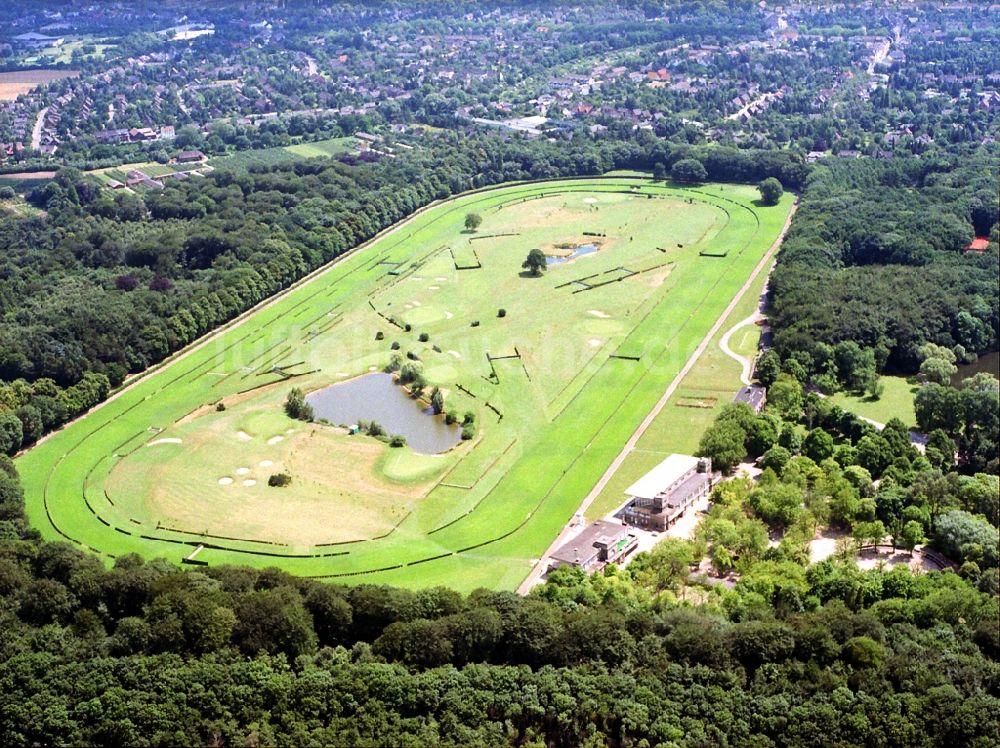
[372,428]
[468,432]
[395,345]
[469,418]
[412,356]
[397,441]
[379,335]
[424,337]
[475,323]
[297,407]
[451,417]
[502,313]
[279,479]
[436,348]
[407,327]
[220,407]
[7,193]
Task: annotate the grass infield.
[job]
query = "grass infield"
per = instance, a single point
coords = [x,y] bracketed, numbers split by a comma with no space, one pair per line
[159,471]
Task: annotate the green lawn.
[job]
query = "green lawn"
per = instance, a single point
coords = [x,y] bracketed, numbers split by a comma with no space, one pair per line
[318,149]
[158,470]
[896,402]
[330,147]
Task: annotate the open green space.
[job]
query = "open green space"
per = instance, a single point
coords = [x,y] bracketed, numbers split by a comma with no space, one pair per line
[896,401]
[278,154]
[159,470]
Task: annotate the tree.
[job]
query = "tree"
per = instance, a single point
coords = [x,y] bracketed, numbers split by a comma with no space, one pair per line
[785,396]
[770,191]
[937,362]
[724,442]
[818,445]
[11,433]
[965,537]
[437,401]
[535,262]
[473,221]
[688,171]
[297,407]
[768,368]
[775,459]
[910,536]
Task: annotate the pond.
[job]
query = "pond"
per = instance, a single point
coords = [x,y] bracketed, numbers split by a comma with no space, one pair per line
[988,362]
[583,249]
[376,397]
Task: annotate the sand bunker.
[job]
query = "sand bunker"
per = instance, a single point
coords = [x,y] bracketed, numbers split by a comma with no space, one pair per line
[441,278]
[275,439]
[596,313]
[415,303]
[242,471]
[167,440]
[372,368]
[249,482]
[225,481]
[595,342]
[448,315]
[243,436]
[589,200]
[265,463]
[456,354]
[434,288]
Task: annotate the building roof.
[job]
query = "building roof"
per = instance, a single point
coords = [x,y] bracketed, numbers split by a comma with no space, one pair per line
[979,244]
[584,546]
[753,395]
[664,475]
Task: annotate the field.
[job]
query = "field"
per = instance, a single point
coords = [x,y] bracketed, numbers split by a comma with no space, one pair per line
[18,82]
[149,168]
[318,149]
[159,470]
[896,402]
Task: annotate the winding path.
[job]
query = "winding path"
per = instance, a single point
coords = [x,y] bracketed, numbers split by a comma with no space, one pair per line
[744,362]
[765,262]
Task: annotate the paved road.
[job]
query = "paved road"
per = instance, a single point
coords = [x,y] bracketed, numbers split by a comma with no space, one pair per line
[36,131]
[568,531]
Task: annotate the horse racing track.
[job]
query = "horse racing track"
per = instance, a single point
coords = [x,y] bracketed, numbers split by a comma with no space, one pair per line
[178,464]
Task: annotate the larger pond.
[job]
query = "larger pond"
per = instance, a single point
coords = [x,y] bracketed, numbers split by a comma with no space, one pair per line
[988,362]
[376,397]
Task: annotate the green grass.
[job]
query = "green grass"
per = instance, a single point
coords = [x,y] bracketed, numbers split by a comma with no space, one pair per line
[480,514]
[279,154]
[896,402]
[330,147]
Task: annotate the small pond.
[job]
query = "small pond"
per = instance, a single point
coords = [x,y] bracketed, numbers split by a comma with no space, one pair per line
[375,397]
[583,249]
[988,362]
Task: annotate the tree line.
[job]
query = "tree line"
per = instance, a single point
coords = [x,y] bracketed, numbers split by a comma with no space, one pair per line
[143,653]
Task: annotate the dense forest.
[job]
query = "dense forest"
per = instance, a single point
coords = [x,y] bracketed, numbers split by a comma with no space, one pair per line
[108,283]
[877,256]
[146,654]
